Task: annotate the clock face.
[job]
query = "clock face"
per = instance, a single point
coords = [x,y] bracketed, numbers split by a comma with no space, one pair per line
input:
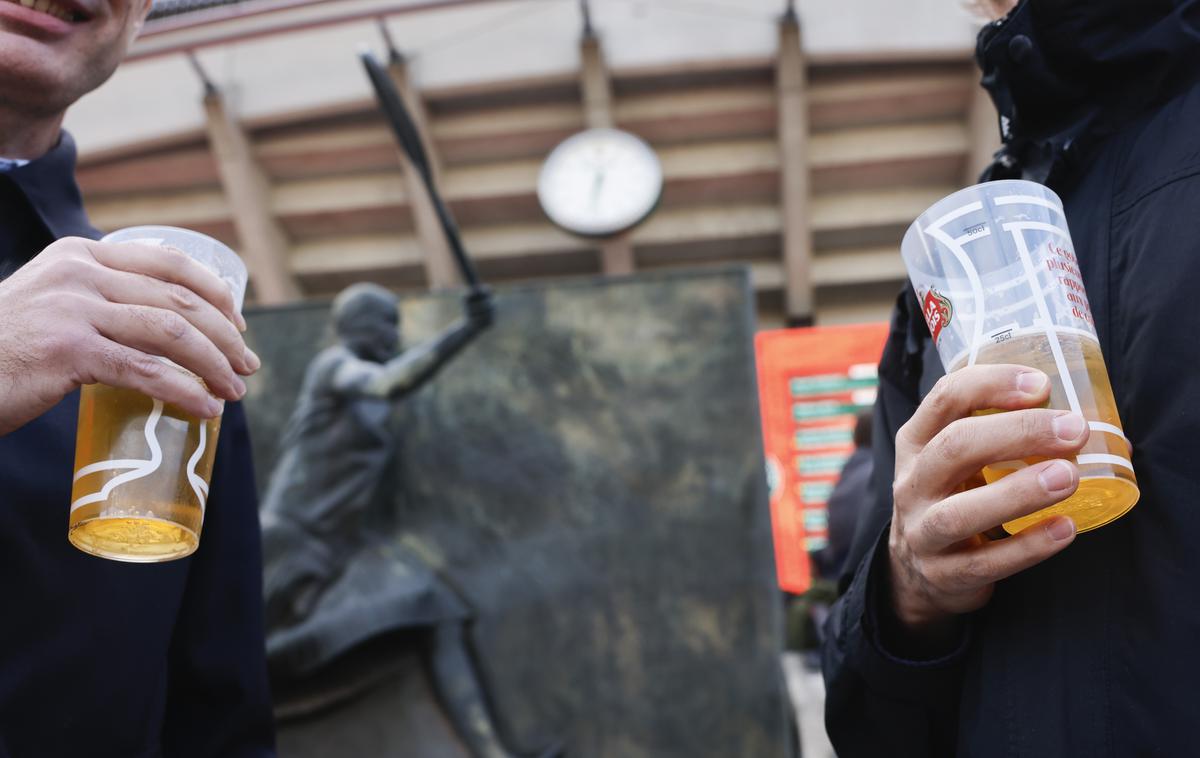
[600,182]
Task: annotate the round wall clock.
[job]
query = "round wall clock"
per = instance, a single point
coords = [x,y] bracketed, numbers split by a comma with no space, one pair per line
[600,182]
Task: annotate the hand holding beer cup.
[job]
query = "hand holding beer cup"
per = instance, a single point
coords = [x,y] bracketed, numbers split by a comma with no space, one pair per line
[940,565]
[147,436]
[998,281]
[83,312]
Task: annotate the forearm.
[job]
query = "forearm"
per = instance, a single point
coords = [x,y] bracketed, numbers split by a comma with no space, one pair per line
[420,364]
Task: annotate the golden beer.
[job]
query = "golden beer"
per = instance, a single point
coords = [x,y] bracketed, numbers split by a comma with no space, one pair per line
[142,471]
[1107,485]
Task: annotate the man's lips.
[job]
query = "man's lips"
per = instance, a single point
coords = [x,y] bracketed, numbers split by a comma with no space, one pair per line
[35,11]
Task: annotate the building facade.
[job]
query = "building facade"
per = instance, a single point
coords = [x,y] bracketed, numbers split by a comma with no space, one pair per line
[800,143]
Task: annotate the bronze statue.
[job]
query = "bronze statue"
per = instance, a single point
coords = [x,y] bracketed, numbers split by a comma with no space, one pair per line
[332,584]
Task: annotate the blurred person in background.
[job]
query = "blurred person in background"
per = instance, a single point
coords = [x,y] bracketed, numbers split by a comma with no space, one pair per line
[100,658]
[850,497]
[847,501]
[946,643]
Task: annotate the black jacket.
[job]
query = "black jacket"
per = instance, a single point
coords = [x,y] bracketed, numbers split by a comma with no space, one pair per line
[1094,652]
[119,660]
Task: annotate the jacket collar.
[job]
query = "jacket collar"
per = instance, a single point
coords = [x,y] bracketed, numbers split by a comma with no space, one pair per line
[49,184]
[1065,74]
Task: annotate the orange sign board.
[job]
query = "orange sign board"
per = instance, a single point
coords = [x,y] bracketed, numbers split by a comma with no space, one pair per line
[811,384]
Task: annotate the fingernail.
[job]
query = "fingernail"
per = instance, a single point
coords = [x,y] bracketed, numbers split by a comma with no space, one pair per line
[1031,382]
[239,387]
[252,361]
[213,407]
[1056,476]
[1069,426]
[241,322]
[1060,528]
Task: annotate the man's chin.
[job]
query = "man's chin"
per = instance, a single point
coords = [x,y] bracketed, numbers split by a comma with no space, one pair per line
[28,57]
[35,75]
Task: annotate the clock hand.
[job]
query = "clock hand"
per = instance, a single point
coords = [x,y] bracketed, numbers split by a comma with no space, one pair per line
[597,187]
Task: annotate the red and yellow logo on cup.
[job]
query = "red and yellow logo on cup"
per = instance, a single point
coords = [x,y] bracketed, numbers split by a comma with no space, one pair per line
[938,312]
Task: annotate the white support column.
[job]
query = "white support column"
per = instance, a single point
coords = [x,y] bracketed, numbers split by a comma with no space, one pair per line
[792,97]
[264,244]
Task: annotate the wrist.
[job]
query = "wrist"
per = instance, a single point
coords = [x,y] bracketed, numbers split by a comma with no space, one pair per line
[914,626]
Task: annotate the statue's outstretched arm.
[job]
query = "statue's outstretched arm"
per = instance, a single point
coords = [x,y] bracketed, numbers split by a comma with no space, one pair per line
[417,365]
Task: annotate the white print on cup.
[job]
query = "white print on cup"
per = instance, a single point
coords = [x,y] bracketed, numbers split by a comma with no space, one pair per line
[1042,271]
[998,281]
[140,469]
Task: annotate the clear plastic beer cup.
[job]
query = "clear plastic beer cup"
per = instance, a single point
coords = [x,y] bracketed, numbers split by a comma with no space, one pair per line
[142,467]
[997,279]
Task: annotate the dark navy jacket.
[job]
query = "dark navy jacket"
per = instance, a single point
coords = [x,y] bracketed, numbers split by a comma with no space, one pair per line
[100,659]
[1095,652]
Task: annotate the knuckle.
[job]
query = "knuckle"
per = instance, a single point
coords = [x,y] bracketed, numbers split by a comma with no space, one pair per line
[177,256]
[942,524]
[127,365]
[950,443]
[56,248]
[176,260]
[182,299]
[142,365]
[941,397]
[62,268]
[174,326]
[66,245]
[76,340]
[1034,427]
[108,361]
[67,341]
[905,488]
[977,569]
[62,343]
